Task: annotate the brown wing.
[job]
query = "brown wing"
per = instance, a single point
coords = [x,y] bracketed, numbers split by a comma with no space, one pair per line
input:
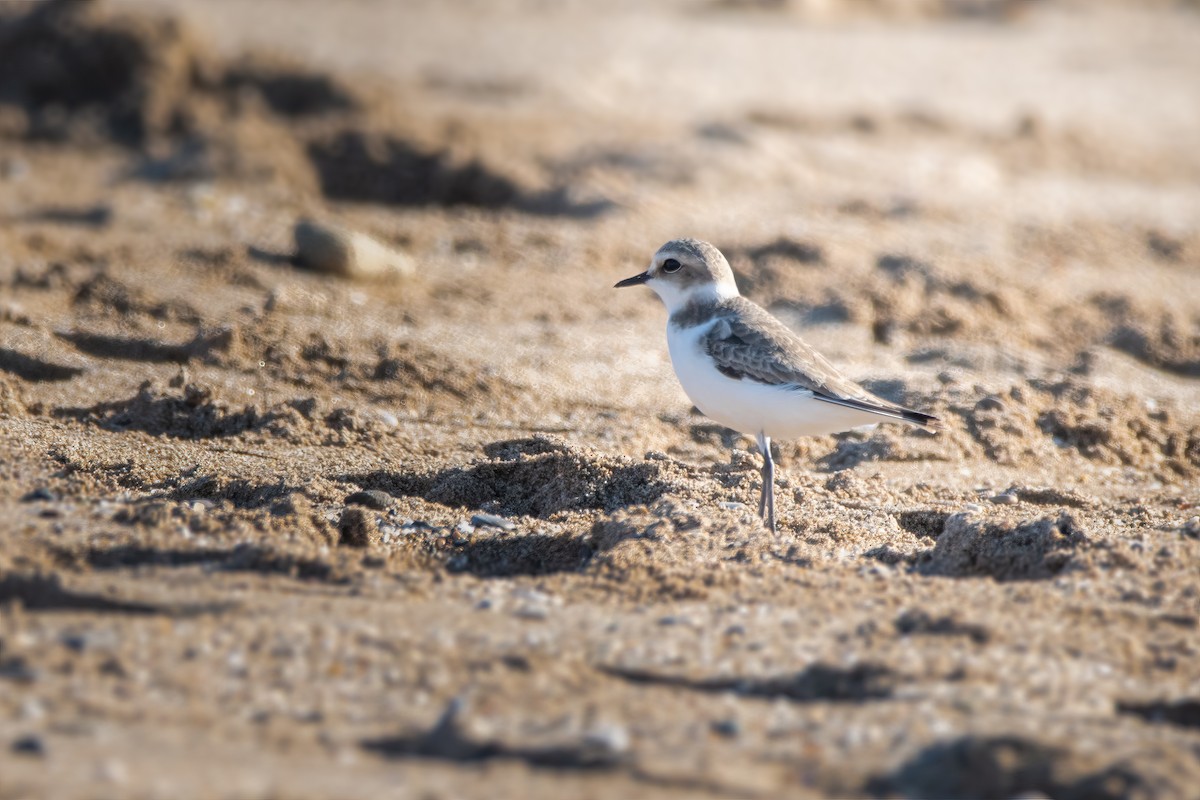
[750,344]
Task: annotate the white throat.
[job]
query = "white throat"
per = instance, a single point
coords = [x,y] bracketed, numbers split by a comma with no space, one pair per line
[675,297]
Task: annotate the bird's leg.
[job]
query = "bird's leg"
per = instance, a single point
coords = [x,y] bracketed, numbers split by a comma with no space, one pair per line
[762,496]
[766,502]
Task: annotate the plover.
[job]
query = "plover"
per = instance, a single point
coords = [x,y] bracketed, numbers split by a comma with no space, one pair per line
[747,370]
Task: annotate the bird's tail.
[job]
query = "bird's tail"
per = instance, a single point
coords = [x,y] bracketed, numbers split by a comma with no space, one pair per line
[926,422]
[883,408]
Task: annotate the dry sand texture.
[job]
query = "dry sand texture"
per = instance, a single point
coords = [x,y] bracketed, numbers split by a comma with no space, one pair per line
[452,529]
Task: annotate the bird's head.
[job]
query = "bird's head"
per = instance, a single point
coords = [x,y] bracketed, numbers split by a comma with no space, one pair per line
[685,271]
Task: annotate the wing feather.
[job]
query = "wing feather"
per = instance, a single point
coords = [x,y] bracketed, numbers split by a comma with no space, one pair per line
[749,343]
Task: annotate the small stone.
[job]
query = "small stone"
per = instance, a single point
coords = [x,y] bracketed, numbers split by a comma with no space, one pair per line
[729,728]
[607,740]
[730,505]
[29,746]
[350,254]
[13,169]
[102,639]
[18,670]
[464,528]
[112,771]
[32,709]
[357,528]
[492,521]
[1191,528]
[1005,499]
[371,498]
[972,508]
[878,570]
[113,666]
[532,611]
[533,604]
[40,493]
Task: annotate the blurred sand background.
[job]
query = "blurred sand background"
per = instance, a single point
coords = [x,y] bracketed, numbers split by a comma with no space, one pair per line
[453,530]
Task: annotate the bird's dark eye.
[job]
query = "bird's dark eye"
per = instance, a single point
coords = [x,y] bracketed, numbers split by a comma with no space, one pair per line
[671,265]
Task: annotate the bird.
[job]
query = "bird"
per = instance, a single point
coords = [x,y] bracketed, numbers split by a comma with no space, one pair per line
[748,371]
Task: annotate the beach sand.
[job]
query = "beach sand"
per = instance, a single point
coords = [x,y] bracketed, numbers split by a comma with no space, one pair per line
[453,529]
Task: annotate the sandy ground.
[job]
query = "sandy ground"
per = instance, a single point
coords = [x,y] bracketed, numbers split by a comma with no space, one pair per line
[457,532]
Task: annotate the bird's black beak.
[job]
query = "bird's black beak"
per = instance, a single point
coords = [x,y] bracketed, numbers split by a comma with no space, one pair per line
[634,281]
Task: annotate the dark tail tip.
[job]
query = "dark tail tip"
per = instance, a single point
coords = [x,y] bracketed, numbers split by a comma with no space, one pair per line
[926,421]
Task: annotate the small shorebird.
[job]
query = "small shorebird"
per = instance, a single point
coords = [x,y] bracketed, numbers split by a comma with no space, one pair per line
[747,370]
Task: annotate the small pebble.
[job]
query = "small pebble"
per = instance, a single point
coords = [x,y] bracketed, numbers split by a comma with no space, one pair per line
[14,169]
[29,746]
[1005,499]
[729,728]
[387,419]
[608,739]
[464,528]
[972,508]
[371,498]
[32,709]
[112,771]
[730,505]
[492,521]
[532,604]
[104,639]
[532,611]
[16,669]
[40,493]
[350,254]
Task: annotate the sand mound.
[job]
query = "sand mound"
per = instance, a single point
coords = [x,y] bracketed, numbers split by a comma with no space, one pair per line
[674,550]
[10,399]
[189,414]
[87,70]
[1159,336]
[402,374]
[83,72]
[545,476]
[1043,417]
[103,294]
[1011,766]
[381,168]
[1005,549]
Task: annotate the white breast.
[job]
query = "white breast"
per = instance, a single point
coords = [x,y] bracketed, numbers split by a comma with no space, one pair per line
[748,406]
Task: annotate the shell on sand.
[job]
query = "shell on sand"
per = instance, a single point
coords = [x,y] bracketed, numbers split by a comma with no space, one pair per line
[329,248]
